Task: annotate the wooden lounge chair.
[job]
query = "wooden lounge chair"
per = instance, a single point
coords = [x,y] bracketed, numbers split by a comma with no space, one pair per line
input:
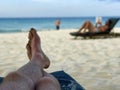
[94,34]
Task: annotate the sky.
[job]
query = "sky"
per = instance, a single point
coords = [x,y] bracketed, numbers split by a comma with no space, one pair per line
[59,8]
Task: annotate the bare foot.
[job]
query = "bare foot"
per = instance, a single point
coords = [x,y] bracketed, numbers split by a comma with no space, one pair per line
[34,50]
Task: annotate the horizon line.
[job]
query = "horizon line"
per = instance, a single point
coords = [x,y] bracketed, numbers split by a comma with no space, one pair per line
[53,16]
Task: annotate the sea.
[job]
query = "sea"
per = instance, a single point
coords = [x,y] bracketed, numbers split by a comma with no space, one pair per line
[10,25]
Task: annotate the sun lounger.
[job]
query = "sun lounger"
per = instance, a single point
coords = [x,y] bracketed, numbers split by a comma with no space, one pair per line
[92,34]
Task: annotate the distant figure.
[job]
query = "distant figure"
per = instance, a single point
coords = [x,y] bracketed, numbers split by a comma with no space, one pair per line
[57,23]
[98,21]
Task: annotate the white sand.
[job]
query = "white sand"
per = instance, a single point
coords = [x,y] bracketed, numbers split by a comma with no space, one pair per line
[94,63]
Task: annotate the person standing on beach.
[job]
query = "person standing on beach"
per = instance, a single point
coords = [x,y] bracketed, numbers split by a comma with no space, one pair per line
[32,75]
[57,23]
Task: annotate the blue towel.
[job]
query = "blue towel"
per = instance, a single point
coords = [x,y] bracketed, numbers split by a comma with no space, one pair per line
[65,80]
[1,79]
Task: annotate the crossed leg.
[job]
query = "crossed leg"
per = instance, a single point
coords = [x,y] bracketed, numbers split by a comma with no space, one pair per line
[47,82]
[34,50]
[32,76]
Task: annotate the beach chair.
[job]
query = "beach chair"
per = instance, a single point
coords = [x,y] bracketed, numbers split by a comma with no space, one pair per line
[65,80]
[94,34]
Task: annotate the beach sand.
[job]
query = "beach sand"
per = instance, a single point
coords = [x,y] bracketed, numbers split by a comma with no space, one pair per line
[94,63]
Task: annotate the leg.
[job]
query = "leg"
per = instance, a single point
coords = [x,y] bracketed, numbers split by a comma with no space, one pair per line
[38,60]
[87,25]
[48,81]
[27,76]
[36,51]
[57,27]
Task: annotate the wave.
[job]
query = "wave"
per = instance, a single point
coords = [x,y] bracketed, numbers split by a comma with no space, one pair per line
[12,30]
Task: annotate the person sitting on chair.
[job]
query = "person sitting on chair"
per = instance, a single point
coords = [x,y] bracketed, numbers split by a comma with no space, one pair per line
[91,28]
[32,75]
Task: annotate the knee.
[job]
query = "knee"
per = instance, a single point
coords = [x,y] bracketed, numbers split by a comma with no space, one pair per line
[47,82]
[13,76]
[16,79]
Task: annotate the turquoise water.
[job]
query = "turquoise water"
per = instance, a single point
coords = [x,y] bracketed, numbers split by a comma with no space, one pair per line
[24,24]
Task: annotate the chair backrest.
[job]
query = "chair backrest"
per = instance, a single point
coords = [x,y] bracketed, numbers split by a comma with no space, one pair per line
[113,23]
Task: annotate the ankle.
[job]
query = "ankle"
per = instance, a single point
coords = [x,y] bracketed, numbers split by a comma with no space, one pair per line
[39,58]
[36,55]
